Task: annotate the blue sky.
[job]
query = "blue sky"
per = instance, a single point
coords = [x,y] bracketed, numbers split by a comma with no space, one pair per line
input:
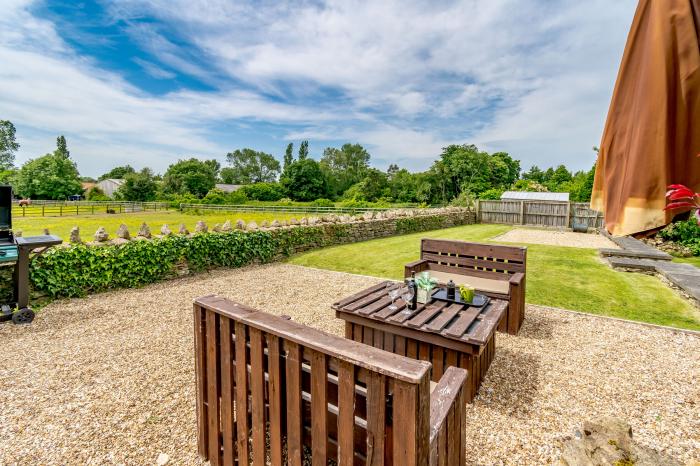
[147,83]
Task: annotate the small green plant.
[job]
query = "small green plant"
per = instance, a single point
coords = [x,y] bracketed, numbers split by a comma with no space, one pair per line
[425,281]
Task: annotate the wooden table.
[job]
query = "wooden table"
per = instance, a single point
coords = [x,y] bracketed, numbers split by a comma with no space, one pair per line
[441,333]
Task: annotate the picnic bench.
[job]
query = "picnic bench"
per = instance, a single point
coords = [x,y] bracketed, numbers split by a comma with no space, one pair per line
[444,334]
[273,390]
[494,270]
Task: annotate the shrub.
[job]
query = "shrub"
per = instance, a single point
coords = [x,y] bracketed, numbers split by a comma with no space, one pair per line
[263,191]
[323,203]
[96,194]
[685,232]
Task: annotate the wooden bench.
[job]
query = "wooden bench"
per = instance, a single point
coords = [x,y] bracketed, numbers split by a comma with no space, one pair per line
[273,390]
[494,270]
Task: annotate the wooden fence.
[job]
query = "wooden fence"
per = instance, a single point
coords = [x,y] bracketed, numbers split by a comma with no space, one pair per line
[539,213]
[283,208]
[67,208]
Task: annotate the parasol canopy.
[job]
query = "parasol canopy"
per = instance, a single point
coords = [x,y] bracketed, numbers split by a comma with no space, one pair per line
[652,132]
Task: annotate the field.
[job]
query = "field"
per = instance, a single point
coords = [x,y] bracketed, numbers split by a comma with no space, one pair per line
[88,224]
[564,277]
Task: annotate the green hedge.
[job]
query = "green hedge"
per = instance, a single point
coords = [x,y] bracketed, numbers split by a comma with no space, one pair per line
[78,270]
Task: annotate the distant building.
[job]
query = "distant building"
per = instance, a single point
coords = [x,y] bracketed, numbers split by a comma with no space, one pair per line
[534,196]
[109,186]
[228,188]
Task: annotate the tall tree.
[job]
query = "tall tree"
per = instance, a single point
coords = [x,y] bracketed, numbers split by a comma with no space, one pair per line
[345,166]
[289,155]
[303,150]
[8,145]
[250,166]
[138,186]
[117,173]
[62,146]
[303,180]
[53,176]
[191,176]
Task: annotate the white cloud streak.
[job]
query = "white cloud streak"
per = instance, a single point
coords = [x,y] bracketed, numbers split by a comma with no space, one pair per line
[405,78]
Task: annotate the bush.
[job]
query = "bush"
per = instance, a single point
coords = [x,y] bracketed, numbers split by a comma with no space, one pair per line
[96,194]
[217,196]
[323,203]
[78,270]
[686,232]
[492,194]
[263,191]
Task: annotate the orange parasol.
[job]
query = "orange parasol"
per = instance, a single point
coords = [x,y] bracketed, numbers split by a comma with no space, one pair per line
[652,133]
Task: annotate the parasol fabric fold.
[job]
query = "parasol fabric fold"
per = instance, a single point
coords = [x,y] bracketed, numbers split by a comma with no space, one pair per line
[652,132]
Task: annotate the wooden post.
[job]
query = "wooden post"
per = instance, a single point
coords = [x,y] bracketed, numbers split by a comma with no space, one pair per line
[568,215]
[522,212]
[60,210]
[478,211]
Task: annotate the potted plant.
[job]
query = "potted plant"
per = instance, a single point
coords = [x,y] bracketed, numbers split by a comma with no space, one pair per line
[424,283]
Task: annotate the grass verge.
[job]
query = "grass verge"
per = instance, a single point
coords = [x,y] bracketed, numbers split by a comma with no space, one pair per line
[564,277]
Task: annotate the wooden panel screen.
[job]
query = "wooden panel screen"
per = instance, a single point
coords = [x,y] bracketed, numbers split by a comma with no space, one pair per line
[273,391]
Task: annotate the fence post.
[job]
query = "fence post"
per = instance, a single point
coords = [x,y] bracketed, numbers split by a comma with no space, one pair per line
[478,211]
[568,215]
[42,210]
[24,211]
[60,210]
[522,212]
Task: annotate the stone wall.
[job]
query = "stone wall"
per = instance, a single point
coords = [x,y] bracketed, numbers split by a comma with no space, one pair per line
[125,261]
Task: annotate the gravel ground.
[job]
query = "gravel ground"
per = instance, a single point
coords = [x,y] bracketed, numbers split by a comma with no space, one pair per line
[556,238]
[110,378]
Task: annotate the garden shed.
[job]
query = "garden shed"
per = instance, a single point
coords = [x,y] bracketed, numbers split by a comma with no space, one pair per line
[534,196]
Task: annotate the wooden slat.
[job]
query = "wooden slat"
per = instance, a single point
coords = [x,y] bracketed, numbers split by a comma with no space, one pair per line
[228,432]
[511,253]
[275,399]
[374,307]
[370,298]
[294,419]
[242,426]
[444,318]
[382,312]
[212,388]
[200,371]
[461,324]
[427,314]
[346,413]
[359,294]
[405,397]
[411,348]
[319,409]
[473,262]
[257,393]
[376,406]
[400,345]
[401,317]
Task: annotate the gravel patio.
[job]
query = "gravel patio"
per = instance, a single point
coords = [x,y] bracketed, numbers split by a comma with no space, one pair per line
[109,379]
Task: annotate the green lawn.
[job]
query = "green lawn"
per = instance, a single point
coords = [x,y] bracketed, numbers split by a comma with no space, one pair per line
[569,278]
[695,260]
[88,224]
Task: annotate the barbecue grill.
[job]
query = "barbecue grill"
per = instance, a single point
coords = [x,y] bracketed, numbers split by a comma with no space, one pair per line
[18,251]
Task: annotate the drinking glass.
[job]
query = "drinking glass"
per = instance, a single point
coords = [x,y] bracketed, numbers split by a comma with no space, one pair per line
[407,295]
[393,294]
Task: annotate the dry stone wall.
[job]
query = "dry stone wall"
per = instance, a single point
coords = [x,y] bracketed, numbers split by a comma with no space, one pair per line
[122,260]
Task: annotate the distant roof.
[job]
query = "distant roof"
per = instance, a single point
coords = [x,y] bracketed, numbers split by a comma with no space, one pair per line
[535,196]
[117,181]
[227,188]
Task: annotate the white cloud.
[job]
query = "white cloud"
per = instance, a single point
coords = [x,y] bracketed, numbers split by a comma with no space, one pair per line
[407,77]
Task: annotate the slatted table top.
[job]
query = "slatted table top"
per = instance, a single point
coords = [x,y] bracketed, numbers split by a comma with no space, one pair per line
[458,322]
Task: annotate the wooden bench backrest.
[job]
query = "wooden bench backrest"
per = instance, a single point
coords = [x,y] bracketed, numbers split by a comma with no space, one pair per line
[485,260]
[284,375]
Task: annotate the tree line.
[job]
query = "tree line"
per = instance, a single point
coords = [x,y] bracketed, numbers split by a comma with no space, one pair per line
[460,174]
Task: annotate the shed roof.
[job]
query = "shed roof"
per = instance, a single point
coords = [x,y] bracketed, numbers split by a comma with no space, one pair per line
[535,196]
[227,188]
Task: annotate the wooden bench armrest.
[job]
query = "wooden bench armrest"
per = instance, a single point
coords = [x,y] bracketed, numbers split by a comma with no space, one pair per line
[415,266]
[517,278]
[446,396]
